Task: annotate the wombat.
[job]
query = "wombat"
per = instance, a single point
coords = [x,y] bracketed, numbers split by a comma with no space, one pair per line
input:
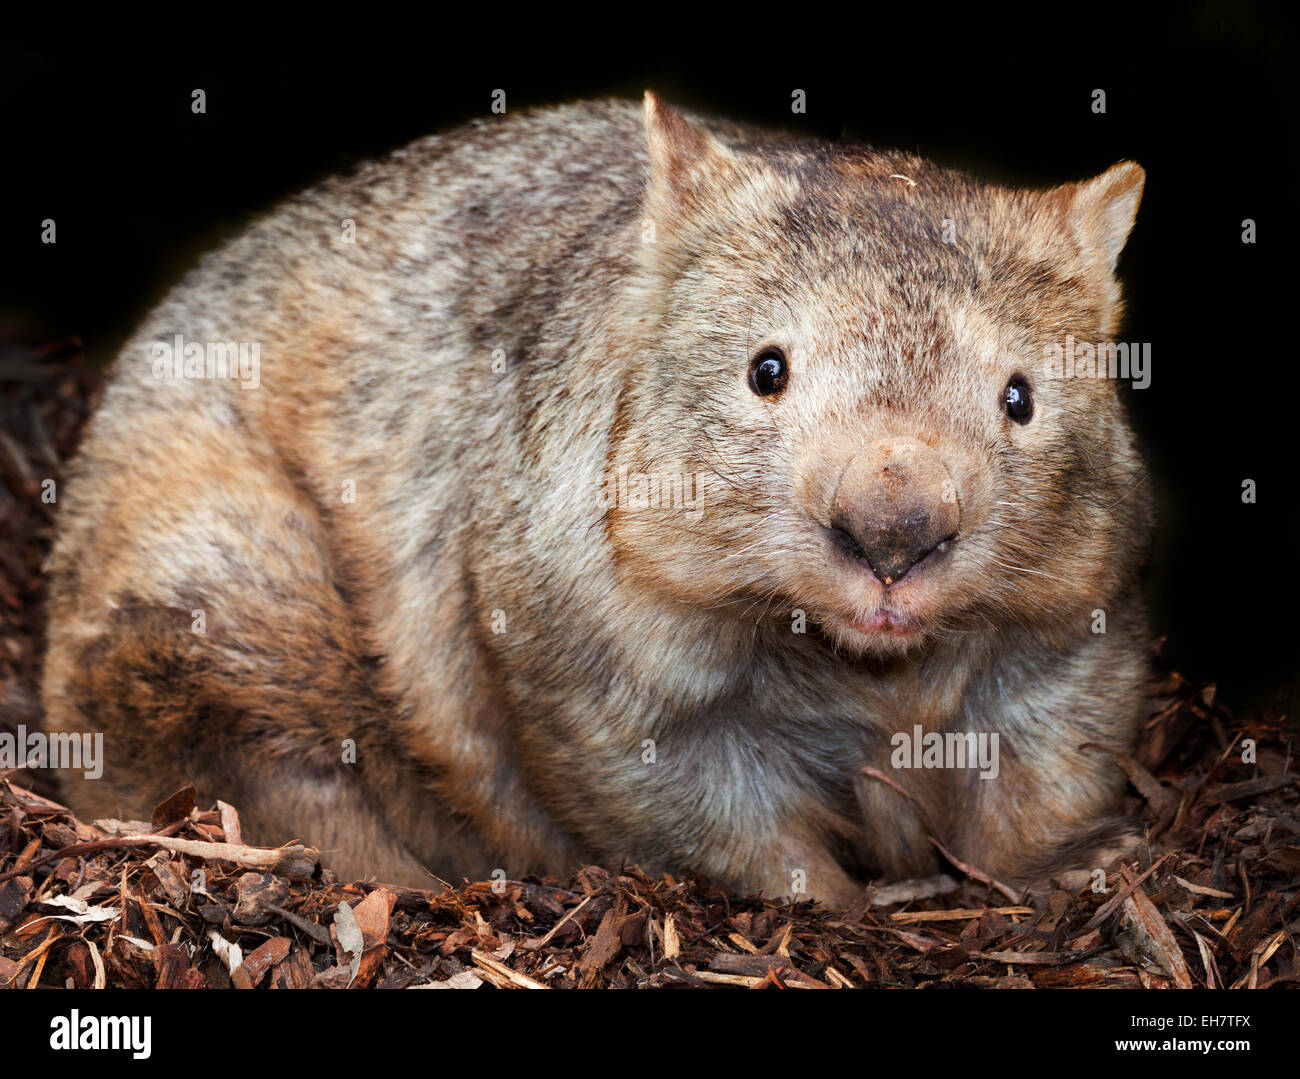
[608,483]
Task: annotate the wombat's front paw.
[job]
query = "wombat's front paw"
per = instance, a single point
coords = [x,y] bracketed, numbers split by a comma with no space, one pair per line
[1094,867]
[802,873]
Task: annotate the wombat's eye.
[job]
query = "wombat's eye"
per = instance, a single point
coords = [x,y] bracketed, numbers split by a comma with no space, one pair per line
[769,372]
[1017,400]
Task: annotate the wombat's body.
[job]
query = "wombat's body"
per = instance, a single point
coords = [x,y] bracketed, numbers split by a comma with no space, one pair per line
[399,538]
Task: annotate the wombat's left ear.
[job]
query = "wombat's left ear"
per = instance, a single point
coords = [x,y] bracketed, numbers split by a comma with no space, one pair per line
[1102,210]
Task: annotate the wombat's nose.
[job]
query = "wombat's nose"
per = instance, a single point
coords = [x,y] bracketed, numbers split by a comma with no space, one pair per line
[895,504]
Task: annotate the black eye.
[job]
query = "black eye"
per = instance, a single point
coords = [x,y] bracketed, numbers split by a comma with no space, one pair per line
[1017,400]
[769,373]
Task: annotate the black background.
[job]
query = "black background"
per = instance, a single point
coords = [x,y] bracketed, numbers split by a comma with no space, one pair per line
[99,135]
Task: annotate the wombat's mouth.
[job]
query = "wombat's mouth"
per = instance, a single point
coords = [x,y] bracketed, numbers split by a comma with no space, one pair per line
[888,622]
[886,618]
[885,633]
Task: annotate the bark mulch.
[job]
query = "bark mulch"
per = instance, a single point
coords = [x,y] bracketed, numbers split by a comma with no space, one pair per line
[1212,899]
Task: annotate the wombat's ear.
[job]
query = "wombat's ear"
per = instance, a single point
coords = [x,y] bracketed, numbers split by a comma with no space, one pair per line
[1102,210]
[685,162]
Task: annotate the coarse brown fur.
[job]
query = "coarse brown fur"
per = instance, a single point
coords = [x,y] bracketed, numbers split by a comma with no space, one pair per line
[397,541]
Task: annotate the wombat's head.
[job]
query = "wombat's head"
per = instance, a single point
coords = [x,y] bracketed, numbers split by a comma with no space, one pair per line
[851,353]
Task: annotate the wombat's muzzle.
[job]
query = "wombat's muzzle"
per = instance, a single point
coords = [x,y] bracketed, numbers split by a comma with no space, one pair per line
[895,504]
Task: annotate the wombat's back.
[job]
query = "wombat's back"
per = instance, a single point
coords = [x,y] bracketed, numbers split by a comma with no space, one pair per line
[252,541]
[393,315]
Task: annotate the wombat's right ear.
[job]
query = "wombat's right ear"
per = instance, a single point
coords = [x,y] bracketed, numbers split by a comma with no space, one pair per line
[686,164]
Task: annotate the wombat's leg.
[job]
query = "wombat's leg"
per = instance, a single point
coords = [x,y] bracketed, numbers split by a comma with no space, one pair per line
[1050,810]
[1048,817]
[261,722]
[787,853]
[196,624]
[1096,854]
[800,868]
